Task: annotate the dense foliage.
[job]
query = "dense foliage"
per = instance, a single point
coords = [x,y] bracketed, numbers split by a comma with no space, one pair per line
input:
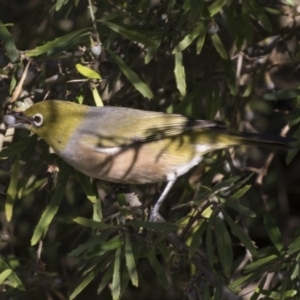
[231,223]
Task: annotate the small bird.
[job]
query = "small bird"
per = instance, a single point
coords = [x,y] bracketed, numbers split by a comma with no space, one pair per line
[131,146]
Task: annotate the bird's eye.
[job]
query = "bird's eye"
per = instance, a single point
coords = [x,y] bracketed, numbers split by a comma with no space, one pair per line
[38,120]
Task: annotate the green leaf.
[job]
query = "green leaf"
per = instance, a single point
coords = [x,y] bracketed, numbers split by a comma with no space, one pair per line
[160,272]
[238,232]
[87,186]
[273,232]
[295,272]
[209,242]
[213,101]
[231,183]
[196,238]
[105,279]
[87,72]
[98,240]
[86,280]
[9,44]
[188,39]
[282,95]
[12,278]
[224,245]
[231,77]
[219,46]
[272,11]
[259,14]
[201,40]
[216,6]
[59,3]
[16,148]
[243,210]
[237,196]
[93,224]
[245,29]
[130,34]
[293,117]
[294,246]
[236,285]
[59,44]
[132,76]
[12,189]
[4,275]
[96,96]
[124,282]
[262,262]
[150,53]
[180,74]
[293,152]
[130,262]
[116,282]
[53,206]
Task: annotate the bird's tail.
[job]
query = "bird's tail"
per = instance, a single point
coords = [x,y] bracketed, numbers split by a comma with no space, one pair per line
[262,140]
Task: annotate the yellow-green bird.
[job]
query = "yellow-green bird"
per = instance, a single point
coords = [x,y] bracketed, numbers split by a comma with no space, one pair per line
[130,146]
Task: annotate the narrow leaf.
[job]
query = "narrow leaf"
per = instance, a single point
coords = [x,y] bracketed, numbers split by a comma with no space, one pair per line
[130,34]
[9,43]
[116,283]
[188,39]
[97,98]
[243,210]
[196,238]
[12,189]
[131,76]
[160,272]
[4,275]
[209,242]
[92,223]
[86,280]
[294,246]
[282,95]
[224,246]
[98,240]
[201,40]
[130,262]
[238,232]
[105,279]
[219,46]
[16,148]
[293,152]
[262,262]
[237,195]
[52,207]
[216,6]
[59,44]
[273,232]
[180,74]
[87,72]
[13,279]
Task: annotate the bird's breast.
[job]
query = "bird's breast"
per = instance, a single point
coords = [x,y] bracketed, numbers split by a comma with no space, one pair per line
[137,163]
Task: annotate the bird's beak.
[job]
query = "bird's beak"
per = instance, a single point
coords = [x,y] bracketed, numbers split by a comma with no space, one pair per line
[17,120]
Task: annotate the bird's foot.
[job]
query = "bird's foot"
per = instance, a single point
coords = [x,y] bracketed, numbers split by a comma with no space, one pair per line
[155,216]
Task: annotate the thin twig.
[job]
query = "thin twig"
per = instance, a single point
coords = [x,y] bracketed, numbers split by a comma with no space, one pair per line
[18,88]
[96,33]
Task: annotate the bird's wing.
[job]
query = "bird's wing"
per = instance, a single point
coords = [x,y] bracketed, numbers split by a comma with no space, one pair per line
[125,126]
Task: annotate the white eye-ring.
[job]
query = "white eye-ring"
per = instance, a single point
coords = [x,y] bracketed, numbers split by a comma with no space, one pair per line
[38,120]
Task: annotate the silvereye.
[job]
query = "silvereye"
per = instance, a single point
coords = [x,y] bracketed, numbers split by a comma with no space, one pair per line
[127,145]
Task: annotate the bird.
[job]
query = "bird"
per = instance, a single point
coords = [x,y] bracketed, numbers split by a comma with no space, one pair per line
[131,146]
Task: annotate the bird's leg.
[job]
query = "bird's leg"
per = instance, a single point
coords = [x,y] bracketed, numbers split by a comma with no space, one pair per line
[154,212]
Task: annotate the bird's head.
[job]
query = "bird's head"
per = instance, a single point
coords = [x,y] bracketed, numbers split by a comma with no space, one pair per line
[54,121]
